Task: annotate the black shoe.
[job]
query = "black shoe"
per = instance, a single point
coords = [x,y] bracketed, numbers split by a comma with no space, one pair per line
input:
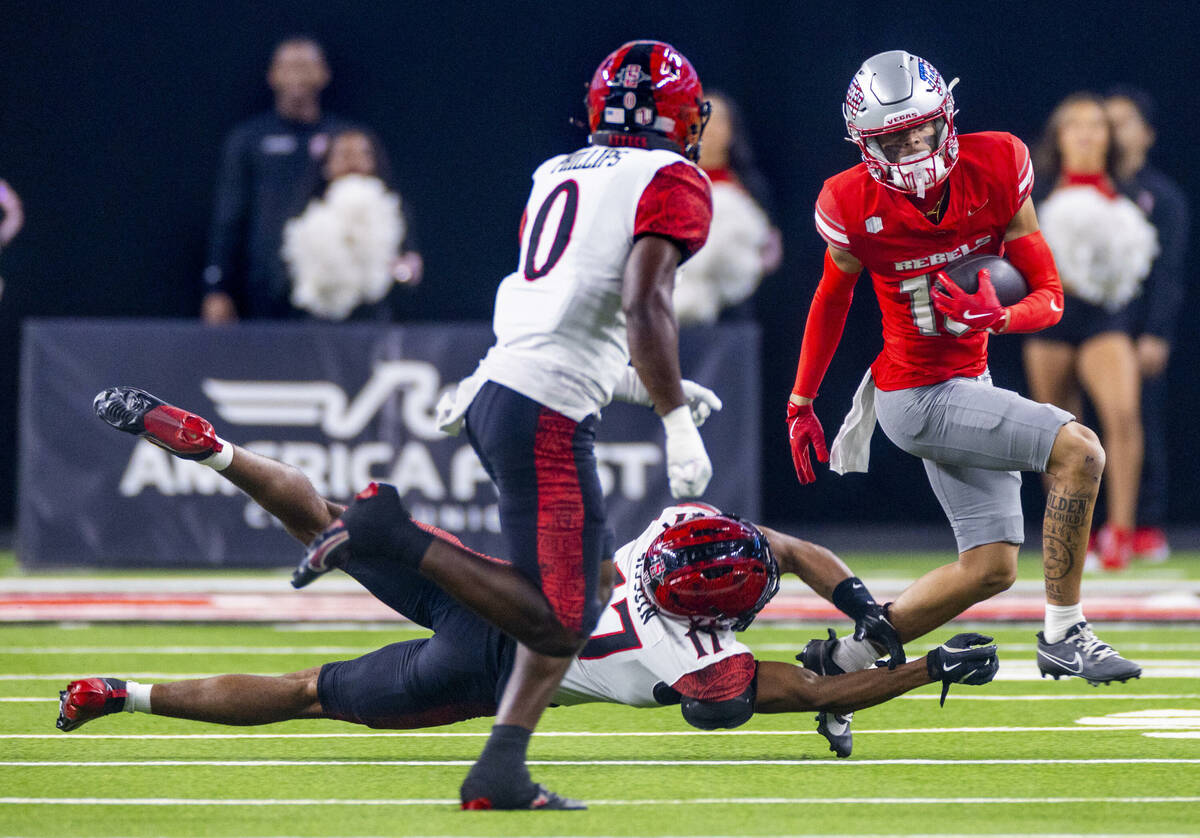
[328,550]
[818,657]
[543,798]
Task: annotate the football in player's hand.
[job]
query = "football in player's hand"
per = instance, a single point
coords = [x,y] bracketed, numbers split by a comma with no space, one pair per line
[1009,284]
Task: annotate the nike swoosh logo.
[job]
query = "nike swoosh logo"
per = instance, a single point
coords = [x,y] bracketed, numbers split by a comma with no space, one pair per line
[953,666]
[971,212]
[970,316]
[1055,306]
[1075,665]
[855,585]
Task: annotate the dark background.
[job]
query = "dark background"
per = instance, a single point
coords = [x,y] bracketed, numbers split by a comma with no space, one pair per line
[112,117]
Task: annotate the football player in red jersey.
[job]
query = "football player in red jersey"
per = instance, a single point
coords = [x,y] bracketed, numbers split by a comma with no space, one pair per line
[923,197]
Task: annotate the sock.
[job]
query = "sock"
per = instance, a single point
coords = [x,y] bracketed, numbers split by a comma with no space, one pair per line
[852,655]
[1059,618]
[137,698]
[219,460]
[500,773]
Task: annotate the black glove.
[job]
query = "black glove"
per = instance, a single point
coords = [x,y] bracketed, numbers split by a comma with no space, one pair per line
[963,659]
[870,618]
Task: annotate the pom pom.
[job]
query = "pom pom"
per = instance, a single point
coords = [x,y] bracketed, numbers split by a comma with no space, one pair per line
[340,250]
[1103,247]
[729,267]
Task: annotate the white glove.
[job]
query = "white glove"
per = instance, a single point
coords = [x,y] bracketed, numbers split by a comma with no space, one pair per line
[701,401]
[688,466]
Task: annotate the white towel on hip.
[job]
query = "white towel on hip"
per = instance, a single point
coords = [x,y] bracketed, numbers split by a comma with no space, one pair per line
[851,449]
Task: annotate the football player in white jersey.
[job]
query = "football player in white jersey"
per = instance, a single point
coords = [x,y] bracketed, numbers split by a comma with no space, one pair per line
[667,635]
[603,231]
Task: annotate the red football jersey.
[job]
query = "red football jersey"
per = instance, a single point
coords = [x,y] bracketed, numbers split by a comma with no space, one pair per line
[903,250]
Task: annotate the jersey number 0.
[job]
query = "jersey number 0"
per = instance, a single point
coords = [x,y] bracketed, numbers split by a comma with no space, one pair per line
[562,235]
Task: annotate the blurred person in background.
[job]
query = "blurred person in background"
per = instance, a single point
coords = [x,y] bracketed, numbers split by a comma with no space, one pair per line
[344,251]
[1156,311]
[743,245]
[1103,246]
[14,218]
[267,163]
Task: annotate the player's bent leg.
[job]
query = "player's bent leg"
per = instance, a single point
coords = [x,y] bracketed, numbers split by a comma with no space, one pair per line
[818,656]
[945,592]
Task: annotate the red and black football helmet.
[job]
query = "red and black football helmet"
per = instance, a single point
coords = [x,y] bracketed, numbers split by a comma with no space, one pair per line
[646,92]
[713,570]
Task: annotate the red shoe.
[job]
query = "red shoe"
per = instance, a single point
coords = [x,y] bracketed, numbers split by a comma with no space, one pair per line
[1116,547]
[1150,544]
[135,411]
[89,698]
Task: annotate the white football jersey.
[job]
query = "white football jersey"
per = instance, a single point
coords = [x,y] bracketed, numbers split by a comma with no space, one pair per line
[560,331]
[634,648]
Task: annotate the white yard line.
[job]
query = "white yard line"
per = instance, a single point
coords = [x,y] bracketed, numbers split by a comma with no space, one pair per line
[1150,725]
[451,763]
[702,801]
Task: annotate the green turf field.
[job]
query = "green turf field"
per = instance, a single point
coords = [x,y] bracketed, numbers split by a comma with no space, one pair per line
[1009,758]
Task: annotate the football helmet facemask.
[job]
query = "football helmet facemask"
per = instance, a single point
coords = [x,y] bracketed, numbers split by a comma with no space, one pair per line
[892,97]
[646,94]
[713,570]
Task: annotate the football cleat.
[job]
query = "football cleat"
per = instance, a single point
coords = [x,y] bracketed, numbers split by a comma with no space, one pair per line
[543,799]
[87,699]
[1084,655]
[818,657]
[135,411]
[328,550]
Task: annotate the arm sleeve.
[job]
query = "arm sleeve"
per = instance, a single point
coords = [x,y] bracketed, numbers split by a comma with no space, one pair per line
[723,680]
[1043,305]
[229,216]
[823,331]
[1024,167]
[676,205]
[1165,286]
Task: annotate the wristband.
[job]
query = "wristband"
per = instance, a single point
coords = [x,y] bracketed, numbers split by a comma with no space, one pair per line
[679,421]
[852,598]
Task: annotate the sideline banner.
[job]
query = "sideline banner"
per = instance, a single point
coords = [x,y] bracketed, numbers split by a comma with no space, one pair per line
[345,404]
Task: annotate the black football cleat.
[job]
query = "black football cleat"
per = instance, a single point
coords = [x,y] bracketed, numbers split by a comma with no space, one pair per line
[543,800]
[328,550]
[818,657]
[87,699]
[137,412]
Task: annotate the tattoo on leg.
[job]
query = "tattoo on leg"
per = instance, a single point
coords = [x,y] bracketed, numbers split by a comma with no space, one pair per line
[1064,530]
[1057,559]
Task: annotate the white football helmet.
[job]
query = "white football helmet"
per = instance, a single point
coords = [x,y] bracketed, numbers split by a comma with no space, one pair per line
[891,94]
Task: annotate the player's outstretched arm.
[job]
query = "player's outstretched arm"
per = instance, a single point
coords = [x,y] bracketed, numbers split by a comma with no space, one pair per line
[829,576]
[784,688]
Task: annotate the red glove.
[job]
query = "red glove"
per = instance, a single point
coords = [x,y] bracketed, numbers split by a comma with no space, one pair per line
[804,429]
[978,311]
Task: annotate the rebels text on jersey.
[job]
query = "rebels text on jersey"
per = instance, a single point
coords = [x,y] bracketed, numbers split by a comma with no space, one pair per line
[634,648]
[904,250]
[560,331]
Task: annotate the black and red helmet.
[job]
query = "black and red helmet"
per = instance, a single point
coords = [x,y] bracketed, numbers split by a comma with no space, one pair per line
[644,90]
[713,570]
